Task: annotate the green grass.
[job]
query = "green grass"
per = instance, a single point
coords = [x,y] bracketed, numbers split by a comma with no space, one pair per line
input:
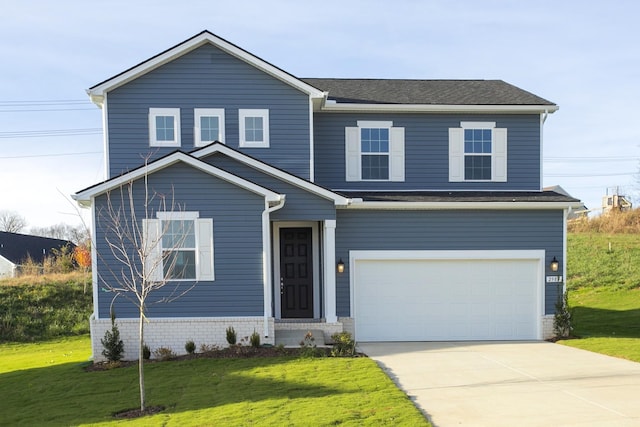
[44,384]
[604,293]
[44,307]
[591,264]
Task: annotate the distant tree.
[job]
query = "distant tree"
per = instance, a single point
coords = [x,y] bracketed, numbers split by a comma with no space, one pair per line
[12,222]
[78,234]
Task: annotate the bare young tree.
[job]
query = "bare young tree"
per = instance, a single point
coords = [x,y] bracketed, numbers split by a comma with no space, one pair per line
[138,254]
[12,222]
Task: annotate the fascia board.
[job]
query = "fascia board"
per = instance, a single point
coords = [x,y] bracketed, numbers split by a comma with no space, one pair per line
[84,197]
[462,205]
[433,108]
[98,91]
[275,172]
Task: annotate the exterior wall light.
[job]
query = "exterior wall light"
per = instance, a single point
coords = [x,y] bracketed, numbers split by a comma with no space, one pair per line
[554,264]
[340,266]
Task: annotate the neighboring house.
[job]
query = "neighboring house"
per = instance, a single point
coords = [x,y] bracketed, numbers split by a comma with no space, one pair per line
[576,212]
[398,210]
[15,249]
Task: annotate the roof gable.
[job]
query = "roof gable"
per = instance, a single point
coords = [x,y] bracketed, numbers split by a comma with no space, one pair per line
[97,92]
[85,196]
[17,247]
[218,147]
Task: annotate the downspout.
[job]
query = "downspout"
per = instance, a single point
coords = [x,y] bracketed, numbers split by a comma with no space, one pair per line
[543,118]
[266,264]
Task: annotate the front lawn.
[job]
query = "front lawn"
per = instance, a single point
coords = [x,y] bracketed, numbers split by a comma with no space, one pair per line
[45,384]
[607,320]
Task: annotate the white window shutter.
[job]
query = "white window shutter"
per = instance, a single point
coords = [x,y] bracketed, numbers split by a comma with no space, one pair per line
[152,250]
[456,154]
[205,249]
[397,154]
[499,157]
[352,154]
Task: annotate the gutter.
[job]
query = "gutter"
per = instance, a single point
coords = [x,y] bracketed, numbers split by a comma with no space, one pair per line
[267,258]
[360,204]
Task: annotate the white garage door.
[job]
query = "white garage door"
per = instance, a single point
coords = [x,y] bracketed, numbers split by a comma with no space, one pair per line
[447,300]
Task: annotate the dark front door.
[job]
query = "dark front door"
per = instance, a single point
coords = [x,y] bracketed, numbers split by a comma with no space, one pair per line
[296,273]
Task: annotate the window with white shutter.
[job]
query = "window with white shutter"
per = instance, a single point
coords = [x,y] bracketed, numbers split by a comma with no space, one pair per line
[374,151]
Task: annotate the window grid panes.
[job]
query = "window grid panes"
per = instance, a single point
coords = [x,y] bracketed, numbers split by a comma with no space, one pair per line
[179,249]
[374,147]
[477,150]
[253,129]
[165,128]
[209,128]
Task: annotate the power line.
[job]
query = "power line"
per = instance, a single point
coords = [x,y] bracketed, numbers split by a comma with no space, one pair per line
[51,155]
[50,133]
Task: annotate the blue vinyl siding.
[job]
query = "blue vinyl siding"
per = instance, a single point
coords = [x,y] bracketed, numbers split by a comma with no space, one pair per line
[300,205]
[208,78]
[427,151]
[447,230]
[238,251]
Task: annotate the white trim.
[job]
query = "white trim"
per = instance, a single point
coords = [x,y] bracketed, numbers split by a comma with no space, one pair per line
[97,92]
[177,215]
[105,136]
[315,247]
[438,108]
[565,215]
[164,112]
[374,124]
[245,113]
[198,113]
[359,204]
[477,125]
[312,163]
[94,261]
[84,196]
[275,172]
[536,255]
[329,242]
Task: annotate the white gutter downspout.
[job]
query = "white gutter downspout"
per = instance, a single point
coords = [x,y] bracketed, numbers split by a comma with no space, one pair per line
[543,118]
[266,262]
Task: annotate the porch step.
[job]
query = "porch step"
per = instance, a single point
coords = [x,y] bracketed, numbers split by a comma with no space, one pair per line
[293,337]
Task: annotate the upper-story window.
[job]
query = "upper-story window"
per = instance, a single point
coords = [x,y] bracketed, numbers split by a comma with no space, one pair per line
[374,152]
[477,152]
[164,127]
[209,125]
[254,128]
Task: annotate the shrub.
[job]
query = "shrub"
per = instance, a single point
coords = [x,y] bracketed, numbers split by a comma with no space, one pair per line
[190,347]
[308,347]
[344,345]
[146,352]
[208,348]
[164,353]
[232,338]
[113,345]
[255,339]
[562,318]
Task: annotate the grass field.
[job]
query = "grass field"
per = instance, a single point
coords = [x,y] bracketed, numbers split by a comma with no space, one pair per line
[45,384]
[604,293]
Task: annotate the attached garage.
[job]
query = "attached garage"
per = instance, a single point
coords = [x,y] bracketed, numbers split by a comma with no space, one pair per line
[447,295]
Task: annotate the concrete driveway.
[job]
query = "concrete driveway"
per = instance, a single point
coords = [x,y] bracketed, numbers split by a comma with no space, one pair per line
[512,383]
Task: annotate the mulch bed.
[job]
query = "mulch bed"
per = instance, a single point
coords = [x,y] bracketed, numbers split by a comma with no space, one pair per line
[234,352]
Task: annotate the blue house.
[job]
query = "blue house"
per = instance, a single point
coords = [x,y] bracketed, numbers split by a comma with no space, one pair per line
[397,210]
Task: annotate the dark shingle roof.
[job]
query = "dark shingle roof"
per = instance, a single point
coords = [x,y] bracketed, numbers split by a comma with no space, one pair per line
[460,196]
[436,92]
[18,247]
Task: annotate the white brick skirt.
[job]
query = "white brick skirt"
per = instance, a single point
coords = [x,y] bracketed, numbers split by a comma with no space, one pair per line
[173,333]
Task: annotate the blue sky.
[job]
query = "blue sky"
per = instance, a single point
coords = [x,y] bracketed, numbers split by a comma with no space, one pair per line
[582,55]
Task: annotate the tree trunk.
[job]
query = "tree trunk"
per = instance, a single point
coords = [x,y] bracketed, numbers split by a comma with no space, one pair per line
[141,360]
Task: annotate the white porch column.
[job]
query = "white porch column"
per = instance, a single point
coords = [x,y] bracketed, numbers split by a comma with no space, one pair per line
[329,231]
